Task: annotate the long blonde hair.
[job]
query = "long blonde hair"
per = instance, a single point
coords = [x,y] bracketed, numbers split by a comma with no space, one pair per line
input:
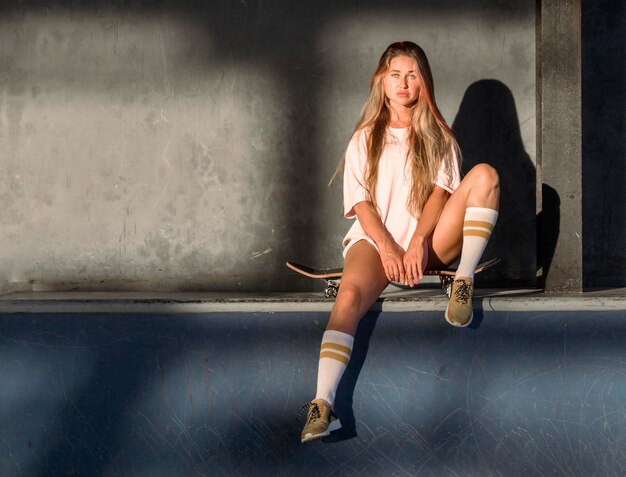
[430,139]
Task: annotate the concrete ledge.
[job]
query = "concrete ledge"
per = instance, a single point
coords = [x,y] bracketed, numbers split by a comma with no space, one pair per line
[390,301]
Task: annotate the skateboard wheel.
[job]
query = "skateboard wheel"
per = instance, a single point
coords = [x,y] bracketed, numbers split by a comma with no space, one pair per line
[331,291]
[446,284]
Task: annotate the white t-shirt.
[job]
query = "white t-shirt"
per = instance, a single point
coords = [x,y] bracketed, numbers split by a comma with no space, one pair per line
[392,190]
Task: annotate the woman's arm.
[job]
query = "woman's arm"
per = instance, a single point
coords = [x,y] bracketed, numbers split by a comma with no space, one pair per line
[390,252]
[428,220]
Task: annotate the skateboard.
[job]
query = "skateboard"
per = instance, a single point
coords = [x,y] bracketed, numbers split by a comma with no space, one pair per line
[332,276]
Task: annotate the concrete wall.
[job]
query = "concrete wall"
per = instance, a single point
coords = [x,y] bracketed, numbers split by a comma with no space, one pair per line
[604,143]
[559,72]
[176,145]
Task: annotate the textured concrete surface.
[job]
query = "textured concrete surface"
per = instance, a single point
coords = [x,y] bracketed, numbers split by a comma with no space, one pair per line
[184,146]
[188,145]
[160,395]
[561,144]
[393,299]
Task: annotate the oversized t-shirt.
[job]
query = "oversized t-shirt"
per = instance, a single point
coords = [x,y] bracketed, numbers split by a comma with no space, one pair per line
[392,189]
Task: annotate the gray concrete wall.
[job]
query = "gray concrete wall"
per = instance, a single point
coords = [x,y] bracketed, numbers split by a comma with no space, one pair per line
[560,157]
[171,145]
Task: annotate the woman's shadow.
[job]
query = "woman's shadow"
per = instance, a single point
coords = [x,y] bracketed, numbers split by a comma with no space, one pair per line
[487,128]
[345,391]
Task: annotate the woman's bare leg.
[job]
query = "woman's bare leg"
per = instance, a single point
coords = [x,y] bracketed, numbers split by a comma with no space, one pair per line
[464,228]
[479,188]
[362,283]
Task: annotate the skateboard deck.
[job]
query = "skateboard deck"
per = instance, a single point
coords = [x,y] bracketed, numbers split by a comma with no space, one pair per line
[332,276]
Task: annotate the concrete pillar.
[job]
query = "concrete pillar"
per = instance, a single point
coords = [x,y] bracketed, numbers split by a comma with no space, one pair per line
[560,144]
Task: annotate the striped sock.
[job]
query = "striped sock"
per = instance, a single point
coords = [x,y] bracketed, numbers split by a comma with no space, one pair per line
[334,357]
[477,228]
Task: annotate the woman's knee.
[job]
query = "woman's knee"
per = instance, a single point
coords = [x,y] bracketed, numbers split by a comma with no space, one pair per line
[485,175]
[349,298]
[346,313]
[484,187]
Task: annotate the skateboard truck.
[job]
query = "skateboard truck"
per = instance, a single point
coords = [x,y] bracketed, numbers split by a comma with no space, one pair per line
[332,287]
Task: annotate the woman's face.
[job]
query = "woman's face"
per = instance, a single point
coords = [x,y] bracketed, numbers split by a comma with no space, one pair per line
[400,82]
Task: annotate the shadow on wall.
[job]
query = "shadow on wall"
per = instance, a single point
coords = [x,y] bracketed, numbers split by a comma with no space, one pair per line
[548,229]
[487,128]
[604,144]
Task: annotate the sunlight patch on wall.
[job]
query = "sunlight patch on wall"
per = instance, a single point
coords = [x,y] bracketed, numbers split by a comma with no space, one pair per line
[132,148]
[462,48]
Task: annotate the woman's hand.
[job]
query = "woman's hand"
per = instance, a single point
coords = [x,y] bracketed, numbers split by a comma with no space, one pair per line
[391,257]
[414,256]
[412,261]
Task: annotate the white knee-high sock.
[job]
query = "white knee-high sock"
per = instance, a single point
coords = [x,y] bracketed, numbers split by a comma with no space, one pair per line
[477,227]
[335,354]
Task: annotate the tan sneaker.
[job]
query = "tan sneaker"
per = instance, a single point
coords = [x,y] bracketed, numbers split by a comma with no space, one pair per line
[320,421]
[459,311]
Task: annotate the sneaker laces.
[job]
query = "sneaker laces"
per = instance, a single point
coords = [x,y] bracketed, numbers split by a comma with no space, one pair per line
[462,293]
[314,413]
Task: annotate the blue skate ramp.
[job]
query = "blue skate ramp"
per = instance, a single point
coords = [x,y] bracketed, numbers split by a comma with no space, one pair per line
[218,394]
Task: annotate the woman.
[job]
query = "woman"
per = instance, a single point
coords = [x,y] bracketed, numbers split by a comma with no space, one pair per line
[413,212]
